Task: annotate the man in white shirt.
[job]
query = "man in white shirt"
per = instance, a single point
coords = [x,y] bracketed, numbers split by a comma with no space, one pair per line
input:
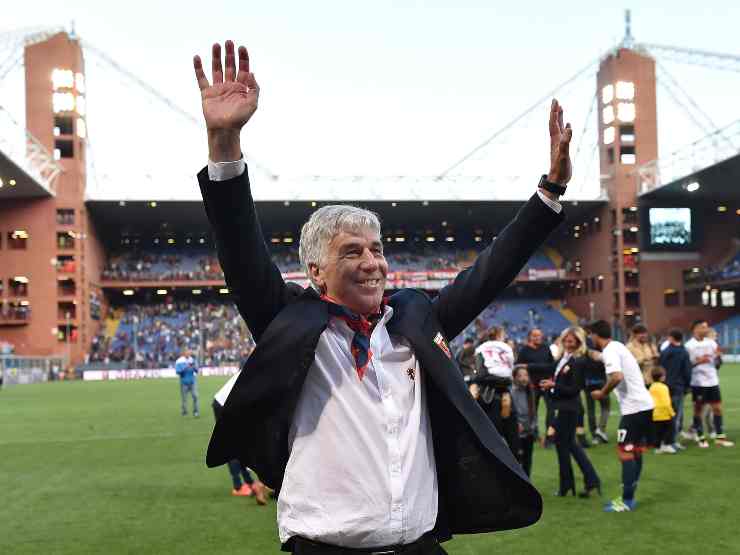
[704,354]
[635,405]
[356,412]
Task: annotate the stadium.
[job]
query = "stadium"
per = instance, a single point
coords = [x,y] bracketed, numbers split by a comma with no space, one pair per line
[103,289]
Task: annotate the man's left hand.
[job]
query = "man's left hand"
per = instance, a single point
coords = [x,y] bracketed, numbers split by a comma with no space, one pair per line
[561,168]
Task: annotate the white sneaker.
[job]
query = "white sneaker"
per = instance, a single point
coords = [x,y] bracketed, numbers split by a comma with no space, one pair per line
[669,449]
[678,447]
[713,436]
[689,436]
[723,442]
[703,444]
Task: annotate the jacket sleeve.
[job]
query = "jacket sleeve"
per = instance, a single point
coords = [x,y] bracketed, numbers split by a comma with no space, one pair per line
[686,368]
[475,288]
[254,280]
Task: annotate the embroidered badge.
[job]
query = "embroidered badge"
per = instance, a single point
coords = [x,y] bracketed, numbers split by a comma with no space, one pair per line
[411,373]
[442,344]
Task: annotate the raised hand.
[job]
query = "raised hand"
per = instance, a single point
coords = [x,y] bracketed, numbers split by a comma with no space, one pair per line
[560,165]
[229,102]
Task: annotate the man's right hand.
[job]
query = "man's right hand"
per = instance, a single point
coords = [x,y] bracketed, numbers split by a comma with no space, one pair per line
[228,103]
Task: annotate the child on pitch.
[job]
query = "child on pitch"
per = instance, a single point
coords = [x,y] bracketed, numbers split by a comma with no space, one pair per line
[250,486]
[663,412]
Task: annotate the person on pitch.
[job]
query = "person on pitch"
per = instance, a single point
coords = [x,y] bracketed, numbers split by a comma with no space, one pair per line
[356,413]
[625,378]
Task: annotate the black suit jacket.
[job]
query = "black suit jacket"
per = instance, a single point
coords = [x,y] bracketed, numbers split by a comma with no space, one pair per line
[568,385]
[482,488]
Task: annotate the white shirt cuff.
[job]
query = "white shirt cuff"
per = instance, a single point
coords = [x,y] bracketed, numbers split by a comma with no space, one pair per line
[555,205]
[221,171]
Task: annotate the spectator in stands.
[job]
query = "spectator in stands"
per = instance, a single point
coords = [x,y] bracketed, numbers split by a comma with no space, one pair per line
[675,360]
[522,396]
[663,413]
[238,471]
[186,369]
[536,357]
[564,389]
[298,400]
[644,351]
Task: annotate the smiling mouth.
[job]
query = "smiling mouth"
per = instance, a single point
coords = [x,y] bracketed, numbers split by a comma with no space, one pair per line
[370,283]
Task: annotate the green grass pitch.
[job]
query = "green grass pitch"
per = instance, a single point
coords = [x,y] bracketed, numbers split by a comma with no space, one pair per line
[112,467]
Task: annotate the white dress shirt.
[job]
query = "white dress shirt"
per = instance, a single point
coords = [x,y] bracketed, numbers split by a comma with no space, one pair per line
[361,471]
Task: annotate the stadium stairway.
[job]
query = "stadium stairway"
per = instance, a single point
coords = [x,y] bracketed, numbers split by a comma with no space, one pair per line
[567,313]
[555,256]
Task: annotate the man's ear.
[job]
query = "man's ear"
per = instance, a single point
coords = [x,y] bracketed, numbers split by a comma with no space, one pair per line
[317,276]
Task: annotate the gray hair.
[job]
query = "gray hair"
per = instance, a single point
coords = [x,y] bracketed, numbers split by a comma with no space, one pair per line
[327,222]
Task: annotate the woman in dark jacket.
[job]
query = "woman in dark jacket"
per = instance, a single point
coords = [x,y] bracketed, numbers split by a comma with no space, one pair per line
[564,390]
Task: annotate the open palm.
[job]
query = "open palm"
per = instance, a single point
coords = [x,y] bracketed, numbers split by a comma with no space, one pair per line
[231,100]
[561,168]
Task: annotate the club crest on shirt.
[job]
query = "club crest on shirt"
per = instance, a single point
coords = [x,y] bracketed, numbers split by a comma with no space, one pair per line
[411,373]
[442,344]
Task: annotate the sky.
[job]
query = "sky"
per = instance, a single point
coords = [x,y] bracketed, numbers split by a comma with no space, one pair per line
[376,88]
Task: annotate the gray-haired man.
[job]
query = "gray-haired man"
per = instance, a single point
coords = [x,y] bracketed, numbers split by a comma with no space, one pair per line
[356,412]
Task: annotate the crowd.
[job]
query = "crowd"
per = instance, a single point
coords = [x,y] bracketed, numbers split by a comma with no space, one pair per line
[730,270]
[573,377]
[153,336]
[188,264]
[164,266]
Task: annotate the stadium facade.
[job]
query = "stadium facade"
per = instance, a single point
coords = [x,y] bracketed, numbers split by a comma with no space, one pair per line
[648,253]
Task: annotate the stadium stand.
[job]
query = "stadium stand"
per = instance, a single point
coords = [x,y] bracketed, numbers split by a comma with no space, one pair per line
[193,265]
[153,336]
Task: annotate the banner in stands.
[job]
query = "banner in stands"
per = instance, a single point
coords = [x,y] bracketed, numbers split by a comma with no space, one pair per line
[149,373]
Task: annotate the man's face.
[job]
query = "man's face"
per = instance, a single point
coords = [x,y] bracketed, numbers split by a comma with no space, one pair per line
[536,337]
[354,271]
[522,378]
[642,337]
[701,330]
[597,341]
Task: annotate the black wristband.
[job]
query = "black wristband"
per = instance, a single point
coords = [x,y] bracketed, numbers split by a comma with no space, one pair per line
[554,188]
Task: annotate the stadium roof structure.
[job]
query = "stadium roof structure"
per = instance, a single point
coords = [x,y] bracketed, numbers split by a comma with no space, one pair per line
[707,170]
[27,169]
[15,183]
[116,219]
[718,182]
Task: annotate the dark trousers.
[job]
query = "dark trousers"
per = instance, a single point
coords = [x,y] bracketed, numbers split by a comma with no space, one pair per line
[524,456]
[677,396]
[567,447]
[239,472]
[663,433]
[550,414]
[507,427]
[605,405]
